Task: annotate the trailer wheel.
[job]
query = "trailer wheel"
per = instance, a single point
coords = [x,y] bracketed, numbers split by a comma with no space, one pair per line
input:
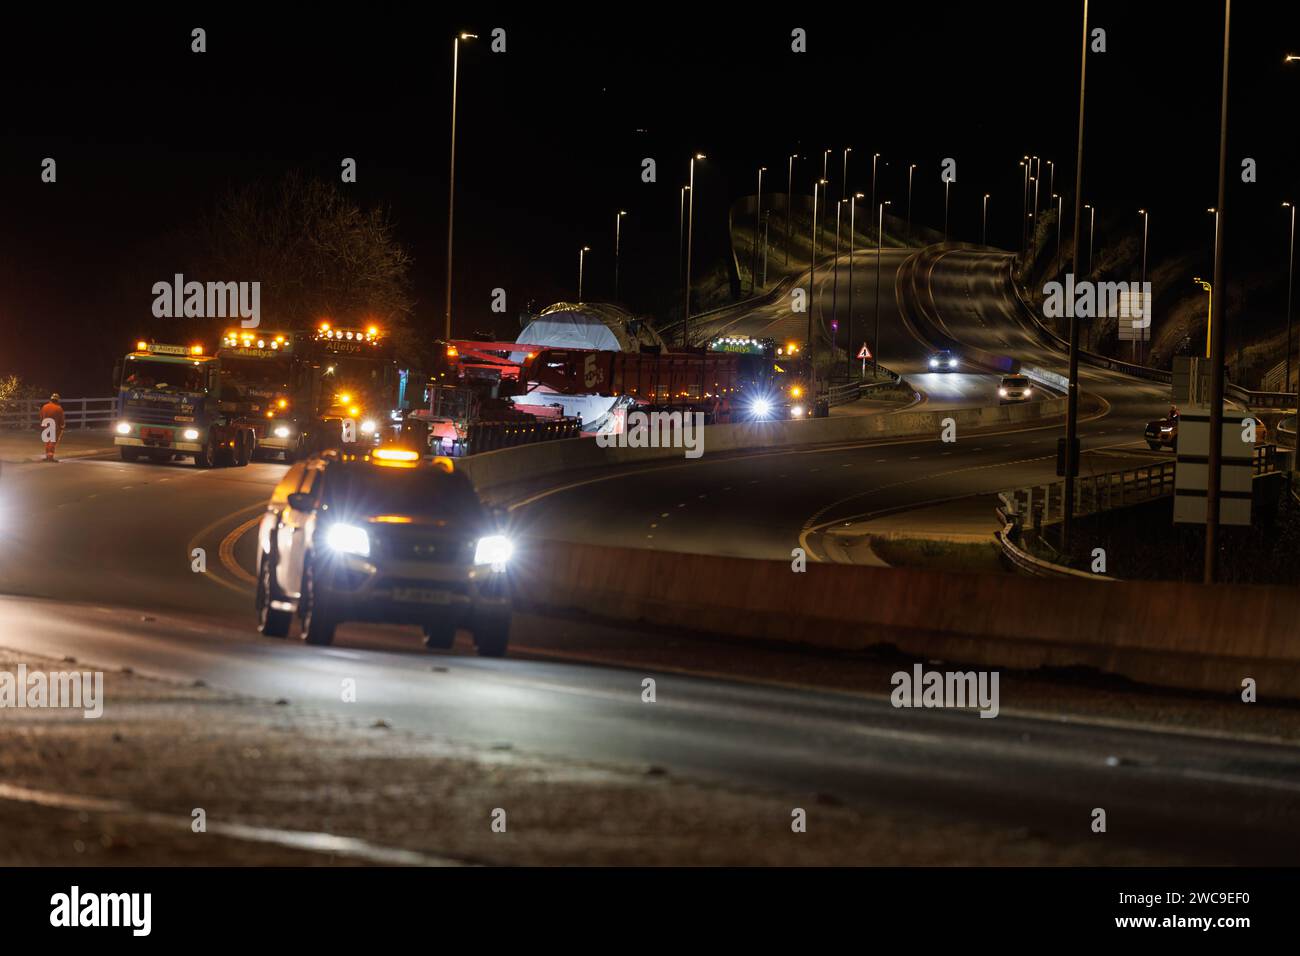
[242,452]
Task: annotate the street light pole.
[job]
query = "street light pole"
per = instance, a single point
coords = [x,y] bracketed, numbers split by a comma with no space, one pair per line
[812,293]
[910,170]
[681,233]
[835,269]
[758,214]
[690,241]
[1146,219]
[880,225]
[853,210]
[789,198]
[618,237]
[1290,275]
[875,158]
[1092,220]
[1072,398]
[984,222]
[582,255]
[946,184]
[451,177]
[1212,488]
[1060,202]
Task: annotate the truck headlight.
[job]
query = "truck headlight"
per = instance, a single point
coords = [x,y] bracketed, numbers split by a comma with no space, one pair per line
[191,434]
[282,431]
[796,412]
[348,539]
[495,549]
[1002,392]
[367,427]
[124,428]
[934,363]
[760,408]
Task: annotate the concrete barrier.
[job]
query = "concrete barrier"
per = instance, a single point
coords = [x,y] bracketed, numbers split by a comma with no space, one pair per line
[1177,635]
[495,469]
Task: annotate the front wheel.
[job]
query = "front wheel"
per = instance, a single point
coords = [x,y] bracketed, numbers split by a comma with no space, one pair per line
[270,621]
[317,623]
[1153,445]
[206,457]
[245,445]
[492,636]
[130,453]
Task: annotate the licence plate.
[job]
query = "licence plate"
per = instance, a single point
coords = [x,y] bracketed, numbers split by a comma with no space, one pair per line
[421,596]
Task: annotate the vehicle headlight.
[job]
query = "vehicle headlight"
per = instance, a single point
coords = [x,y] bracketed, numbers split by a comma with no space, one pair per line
[934,363]
[367,427]
[495,549]
[282,431]
[952,363]
[1002,392]
[349,539]
[796,412]
[124,428]
[761,408]
[191,434]
[1028,389]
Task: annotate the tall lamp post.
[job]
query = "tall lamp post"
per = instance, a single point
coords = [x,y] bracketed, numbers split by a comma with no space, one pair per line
[1213,484]
[618,241]
[582,255]
[875,159]
[690,242]
[758,214]
[1072,395]
[946,184]
[853,210]
[1092,220]
[880,225]
[681,233]
[789,200]
[910,169]
[451,178]
[984,222]
[1290,275]
[1146,219]
[835,269]
[1059,213]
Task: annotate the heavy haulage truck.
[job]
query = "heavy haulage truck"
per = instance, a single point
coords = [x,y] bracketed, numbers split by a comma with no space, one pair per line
[169,404]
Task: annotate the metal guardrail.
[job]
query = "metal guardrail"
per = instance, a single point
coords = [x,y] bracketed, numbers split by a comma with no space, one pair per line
[25,414]
[1041,505]
[848,392]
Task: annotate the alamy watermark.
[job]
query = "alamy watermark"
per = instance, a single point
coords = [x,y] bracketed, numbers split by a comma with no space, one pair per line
[209,300]
[1098,300]
[922,688]
[659,430]
[59,690]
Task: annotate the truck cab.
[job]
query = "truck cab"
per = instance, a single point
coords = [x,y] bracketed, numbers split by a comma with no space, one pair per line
[167,405]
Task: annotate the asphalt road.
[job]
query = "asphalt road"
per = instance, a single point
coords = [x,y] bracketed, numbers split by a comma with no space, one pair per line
[99,557]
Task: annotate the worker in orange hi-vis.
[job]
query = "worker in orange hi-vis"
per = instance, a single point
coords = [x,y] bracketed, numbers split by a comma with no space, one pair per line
[51,425]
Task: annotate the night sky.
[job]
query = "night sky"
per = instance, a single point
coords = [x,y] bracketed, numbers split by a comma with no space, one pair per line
[552,133]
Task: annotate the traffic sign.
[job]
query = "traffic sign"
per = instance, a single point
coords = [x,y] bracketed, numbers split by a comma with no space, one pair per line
[864,352]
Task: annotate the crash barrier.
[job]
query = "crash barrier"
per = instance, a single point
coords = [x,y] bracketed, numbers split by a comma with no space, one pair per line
[490,436]
[916,302]
[1245,396]
[1044,504]
[1286,429]
[77,413]
[847,392]
[1168,633]
[493,471]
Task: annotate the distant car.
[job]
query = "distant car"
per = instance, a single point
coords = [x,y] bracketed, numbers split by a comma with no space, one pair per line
[1014,388]
[389,538]
[1163,432]
[943,361]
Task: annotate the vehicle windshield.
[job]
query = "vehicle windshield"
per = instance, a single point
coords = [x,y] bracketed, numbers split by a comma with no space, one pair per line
[164,376]
[1016,381]
[248,377]
[362,491]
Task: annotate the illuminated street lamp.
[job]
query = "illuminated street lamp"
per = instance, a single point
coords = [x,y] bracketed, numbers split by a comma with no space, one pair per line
[618,236]
[1290,276]
[910,170]
[1092,219]
[875,158]
[880,225]
[582,255]
[789,195]
[758,215]
[853,209]
[984,222]
[835,269]
[1209,288]
[451,184]
[1146,219]
[690,242]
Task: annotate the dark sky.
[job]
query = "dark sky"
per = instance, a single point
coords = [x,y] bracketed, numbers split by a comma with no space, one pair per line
[552,133]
